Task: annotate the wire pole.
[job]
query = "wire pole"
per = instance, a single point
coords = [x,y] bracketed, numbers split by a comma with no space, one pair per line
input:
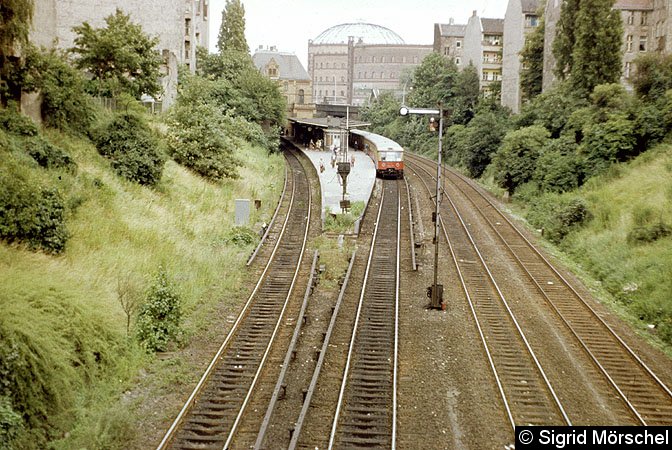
[437,290]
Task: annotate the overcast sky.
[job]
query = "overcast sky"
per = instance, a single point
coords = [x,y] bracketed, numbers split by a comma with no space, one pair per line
[288,24]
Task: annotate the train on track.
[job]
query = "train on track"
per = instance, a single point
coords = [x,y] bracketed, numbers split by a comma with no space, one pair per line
[387,154]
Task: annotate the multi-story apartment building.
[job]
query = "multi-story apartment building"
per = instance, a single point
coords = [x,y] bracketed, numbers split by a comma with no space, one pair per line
[449,40]
[180,25]
[521,18]
[349,62]
[483,43]
[646,25]
[292,78]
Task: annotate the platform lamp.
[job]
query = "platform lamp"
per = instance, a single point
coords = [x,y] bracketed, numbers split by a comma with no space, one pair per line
[435,291]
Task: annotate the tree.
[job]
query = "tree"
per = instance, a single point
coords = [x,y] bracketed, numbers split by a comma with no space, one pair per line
[16,18]
[433,81]
[121,58]
[232,31]
[565,40]
[516,159]
[596,58]
[653,75]
[532,58]
[467,93]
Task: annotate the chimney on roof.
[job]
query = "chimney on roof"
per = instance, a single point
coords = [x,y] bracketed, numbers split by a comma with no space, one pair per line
[274,48]
[474,14]
[261,47]
[451,21]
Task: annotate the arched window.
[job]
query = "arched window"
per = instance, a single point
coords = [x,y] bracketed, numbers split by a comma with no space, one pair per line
[301,97]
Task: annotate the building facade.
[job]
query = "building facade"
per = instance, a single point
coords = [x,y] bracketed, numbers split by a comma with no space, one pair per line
[292,78]
[180,25]
[646,25]
[521,18]
[449,41]
[351,62]
[483,44]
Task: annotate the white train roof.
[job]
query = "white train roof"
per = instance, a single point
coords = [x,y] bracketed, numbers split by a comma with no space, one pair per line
[381,142]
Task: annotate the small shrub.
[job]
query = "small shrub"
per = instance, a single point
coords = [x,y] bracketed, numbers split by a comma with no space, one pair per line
[649,233]
[133,149]
[241,236]
[159,319]
[48,155]
[16,123]
[31,214]
[10,423]
[557,215]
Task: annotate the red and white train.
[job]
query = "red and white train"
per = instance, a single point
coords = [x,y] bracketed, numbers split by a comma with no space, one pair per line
[387,154]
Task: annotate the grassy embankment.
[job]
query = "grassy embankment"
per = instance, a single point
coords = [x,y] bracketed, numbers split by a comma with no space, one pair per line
[621,251]
[67,326]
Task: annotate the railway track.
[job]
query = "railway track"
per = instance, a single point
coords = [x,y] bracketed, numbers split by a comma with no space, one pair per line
[645,395]
[366,411]
[212,413]
[527,395]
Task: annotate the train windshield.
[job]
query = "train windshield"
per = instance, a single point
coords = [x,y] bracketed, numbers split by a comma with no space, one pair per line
[390,156]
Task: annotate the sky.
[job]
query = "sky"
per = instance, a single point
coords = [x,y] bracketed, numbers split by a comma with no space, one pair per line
[289,24]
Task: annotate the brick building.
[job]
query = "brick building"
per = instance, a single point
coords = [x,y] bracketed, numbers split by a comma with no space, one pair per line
[349,63]
[449,40]
[292,78]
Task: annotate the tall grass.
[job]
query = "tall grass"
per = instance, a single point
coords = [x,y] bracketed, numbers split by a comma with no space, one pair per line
[62,314]
[636,272]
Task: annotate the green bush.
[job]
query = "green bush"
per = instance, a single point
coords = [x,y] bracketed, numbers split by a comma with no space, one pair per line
[649,233]
[10,423]
[198,139]
[557,215]
[159,319]
[516,159]
[241,236]
[16,123]
[132,147]
[48,155]
[558,168]
[31,214]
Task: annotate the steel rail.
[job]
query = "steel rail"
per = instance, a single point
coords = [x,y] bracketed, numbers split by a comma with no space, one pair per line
[320,361]
[288,356]
[170,434]
[360,305]
[410,222]
[234,428]
[555,308]
[528,347]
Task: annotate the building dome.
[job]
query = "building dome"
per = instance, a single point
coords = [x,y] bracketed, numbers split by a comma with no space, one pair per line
[367,32]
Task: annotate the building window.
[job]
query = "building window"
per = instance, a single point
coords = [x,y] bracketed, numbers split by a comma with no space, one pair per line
[342,94]
[394,59]
[359,74]
[644,18]
[373,59]
[531,20]
[458,44]
[628,43]
[342,65]
[446,51]
[642,43]
[321,65]
[320,79]
[272,72]
[320,92]
[301,97]
[457,61]
[626,72]
[403,59]
[382,59]
[373,74]
[631,18]
[187,27]
[364,74]
[286,86]
[342,79]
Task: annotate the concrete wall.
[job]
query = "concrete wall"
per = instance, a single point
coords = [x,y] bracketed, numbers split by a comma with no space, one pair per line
[551,17]
[473,49]
[514,40]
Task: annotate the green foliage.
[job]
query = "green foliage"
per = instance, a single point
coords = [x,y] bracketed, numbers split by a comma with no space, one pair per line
[559,168]
[551,109]
[65,103]
[467,93]
[649,233]
[653,76]
[516,159]
[607,142]
[30,213]
[532,61]
[159,319]
[433,81]
[565,39]
[596,58]
[10,423]
[132,147]
[14,122]
[232,31]
[120,57]
[241,236]
[198,138]
[48,155]
[557,215]
[16,18]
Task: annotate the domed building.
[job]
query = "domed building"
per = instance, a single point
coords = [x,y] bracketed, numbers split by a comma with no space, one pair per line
[350,62]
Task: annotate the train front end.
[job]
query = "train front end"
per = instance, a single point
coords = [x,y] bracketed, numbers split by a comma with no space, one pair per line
[390,163]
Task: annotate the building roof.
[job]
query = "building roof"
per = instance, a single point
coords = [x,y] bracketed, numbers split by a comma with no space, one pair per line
[329,122]
[634,5]
[451,30]
[366,32]
[289,66]
[493,26]
[530,6]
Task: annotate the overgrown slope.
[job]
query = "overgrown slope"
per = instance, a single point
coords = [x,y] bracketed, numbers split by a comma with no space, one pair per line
[65,355]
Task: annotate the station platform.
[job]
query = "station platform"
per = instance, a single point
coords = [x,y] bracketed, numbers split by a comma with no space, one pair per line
[360,181]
